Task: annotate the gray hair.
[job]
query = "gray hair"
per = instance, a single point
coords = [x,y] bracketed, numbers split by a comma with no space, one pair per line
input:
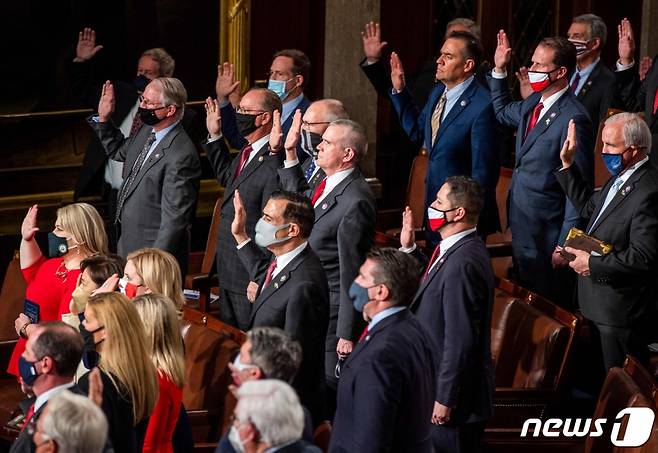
[635,130]
[273,407]
[75,423]
[355,138]
[275,352]
[172,92]
[334,109]
[166,61]
[62,343]
[472,27]
[597,28]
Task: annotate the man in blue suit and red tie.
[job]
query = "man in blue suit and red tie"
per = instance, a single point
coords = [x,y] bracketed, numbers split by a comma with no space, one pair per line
[539,213]
[457,125]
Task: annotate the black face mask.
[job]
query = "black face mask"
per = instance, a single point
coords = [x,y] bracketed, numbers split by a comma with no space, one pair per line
[310,142]
[57,246]
[148,116]
[246,123]
[140,82]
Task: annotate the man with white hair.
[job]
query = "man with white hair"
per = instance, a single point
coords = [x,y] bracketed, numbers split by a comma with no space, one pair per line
[268,417]
[617,291]
[71,424]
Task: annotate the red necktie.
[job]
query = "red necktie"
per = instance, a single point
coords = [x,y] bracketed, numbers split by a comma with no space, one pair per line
[137,123]
[318,191]
[268,276]
[28,417]
[576,81]
[435,255]
[363,334]
[533,119]
[244,156]
[655,102]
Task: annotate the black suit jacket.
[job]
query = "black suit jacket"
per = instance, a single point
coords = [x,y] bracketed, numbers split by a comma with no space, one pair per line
[343,233]
[386,390]
[297,301]
[596,95]
[257,181]
[634,95]
[454,304]
[622,286]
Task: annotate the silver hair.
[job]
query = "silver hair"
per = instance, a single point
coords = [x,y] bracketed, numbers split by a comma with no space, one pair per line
[75,423]
[597,28]
[354,138]
[275,352]
[472,27]
[635,130]
[334,109]
[166,61]
[273,407]
[172,92]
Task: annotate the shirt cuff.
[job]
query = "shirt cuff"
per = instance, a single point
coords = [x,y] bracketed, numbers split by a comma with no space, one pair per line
[623,67]
[242,244]
[290,163]
[209,139]
[95,119]
[394,91]
[498,75]
[408,249]
[368,63]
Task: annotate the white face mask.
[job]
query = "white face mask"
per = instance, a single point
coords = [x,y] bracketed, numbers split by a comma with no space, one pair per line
[234,439]
[266,233]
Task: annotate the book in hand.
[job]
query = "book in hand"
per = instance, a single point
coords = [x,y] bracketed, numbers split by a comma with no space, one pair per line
[577,239]
[31,310]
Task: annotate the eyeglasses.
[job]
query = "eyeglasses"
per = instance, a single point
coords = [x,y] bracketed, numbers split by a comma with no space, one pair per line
[250,112]
[309,124]
[150,104]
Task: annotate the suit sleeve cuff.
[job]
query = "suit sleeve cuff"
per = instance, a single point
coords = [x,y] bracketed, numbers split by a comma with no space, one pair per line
[498,75]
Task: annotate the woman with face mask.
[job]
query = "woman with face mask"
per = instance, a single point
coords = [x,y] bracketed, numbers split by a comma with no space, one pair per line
[165,346]
[78,234]
[130,383]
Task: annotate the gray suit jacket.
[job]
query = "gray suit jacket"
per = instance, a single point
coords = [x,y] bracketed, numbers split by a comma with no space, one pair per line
[160,206]
[343,232]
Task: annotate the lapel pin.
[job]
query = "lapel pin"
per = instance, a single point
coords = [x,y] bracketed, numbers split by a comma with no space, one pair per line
[548,121]
[325,205]
[283,278]
[553,115]
[626,190]
[463,103]
[367,337]
[276,285]
[260,159]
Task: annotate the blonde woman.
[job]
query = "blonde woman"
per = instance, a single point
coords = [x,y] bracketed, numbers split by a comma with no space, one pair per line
[151,270]
[165,344]
[130,383]
[78,234]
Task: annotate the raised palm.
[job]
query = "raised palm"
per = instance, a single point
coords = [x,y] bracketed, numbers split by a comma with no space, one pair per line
[87,48]
[372,43]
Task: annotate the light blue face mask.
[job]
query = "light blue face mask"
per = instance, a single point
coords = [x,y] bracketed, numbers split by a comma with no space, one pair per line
[279,87]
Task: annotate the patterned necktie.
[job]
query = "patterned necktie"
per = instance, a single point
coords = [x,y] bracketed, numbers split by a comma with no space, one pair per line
[125,188]
[268,276]
[244,156]
[574,84]
[533,119]
[308,174]
[318,191]
[436,117]
[435,255]
[137,123]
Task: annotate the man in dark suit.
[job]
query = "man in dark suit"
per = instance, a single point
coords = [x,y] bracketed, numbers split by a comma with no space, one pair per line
[292,287]
[637,95]
[48,366]
[344,228]
[254,172]
[457,124]
[157,199]
[592,82]
[617,291]
[99,174]
[454,303]
[539,213]
[289,73]
[386,386]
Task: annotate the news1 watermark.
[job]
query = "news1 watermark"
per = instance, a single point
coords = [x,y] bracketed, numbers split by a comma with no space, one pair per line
[639,424]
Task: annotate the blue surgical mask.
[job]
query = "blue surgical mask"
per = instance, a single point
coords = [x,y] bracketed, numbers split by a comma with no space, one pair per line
[359,296]
[613,163]
[279,87]
[27,370]
[266,233]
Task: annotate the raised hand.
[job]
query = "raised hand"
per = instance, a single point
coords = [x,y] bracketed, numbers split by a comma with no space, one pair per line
[503,53]
[372,43]
[645,65]
[238,226]
[106,103]
[569,146]
[225,83]
[276,135]
[108,285]
[292,139]
[213,118]
[95,393]
[397,72]
[86,48]
[626,46]
[407,234]
[524,82]
[29,227]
